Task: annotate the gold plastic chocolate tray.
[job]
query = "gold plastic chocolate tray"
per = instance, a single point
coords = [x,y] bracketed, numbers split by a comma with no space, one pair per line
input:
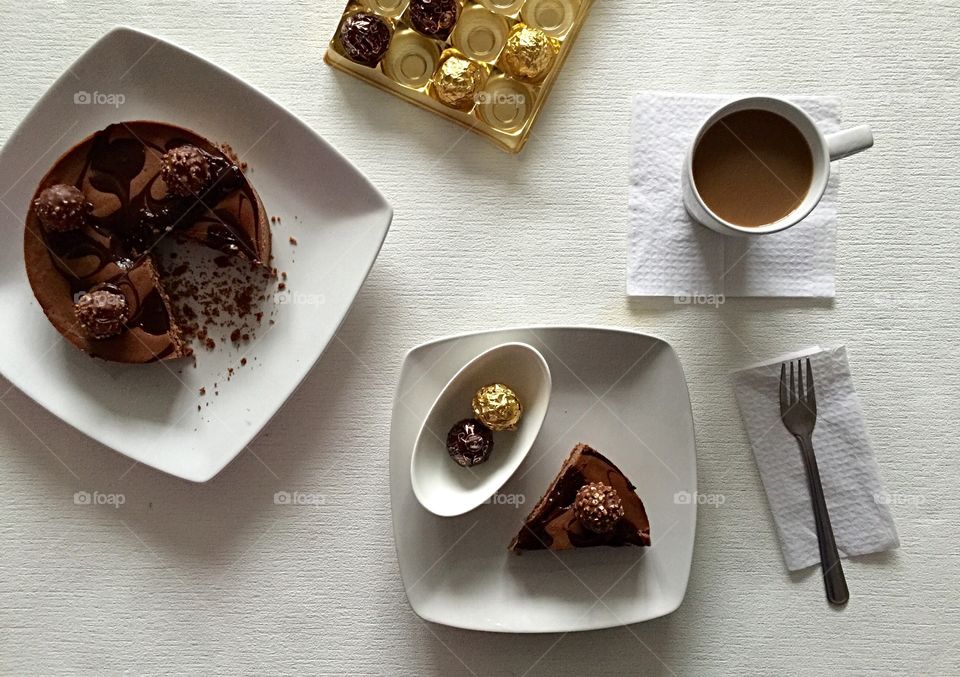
[506,107]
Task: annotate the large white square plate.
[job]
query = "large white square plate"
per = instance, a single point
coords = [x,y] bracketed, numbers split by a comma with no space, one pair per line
[340,220]
[623,393]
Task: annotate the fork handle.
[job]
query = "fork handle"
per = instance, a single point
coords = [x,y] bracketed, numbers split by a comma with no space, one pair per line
[833,578]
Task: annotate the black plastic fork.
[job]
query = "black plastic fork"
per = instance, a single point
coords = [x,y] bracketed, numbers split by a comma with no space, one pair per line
[798,411]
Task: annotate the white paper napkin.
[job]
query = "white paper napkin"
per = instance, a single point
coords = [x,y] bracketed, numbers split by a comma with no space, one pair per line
[671,255]
[861,520]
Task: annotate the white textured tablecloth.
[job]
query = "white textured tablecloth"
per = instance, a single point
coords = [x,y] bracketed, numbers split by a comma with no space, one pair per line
[217,578]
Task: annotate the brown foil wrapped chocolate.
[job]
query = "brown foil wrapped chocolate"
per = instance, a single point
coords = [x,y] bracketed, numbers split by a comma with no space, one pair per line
[364,38]
[434,18]
[514,48]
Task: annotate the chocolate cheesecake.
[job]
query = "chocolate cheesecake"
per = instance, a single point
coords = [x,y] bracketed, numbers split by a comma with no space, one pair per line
[590,503]
[100,211]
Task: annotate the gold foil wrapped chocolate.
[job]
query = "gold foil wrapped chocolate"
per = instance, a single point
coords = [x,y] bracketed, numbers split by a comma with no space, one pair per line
[529,53]
[497,407]
[458,81]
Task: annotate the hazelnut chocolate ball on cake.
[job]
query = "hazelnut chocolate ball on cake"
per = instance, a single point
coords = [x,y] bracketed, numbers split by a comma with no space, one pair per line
[598,507]
[61,208]
[102,312]
[185,170]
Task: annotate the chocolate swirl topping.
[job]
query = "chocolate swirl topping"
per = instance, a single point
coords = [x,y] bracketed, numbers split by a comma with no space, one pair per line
[118,170]
[146,215]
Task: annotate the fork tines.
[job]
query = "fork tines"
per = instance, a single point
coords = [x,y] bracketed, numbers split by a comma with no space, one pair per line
[793,391]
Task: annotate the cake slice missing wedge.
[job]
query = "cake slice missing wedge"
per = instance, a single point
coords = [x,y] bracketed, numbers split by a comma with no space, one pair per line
[98,215]
[556,522]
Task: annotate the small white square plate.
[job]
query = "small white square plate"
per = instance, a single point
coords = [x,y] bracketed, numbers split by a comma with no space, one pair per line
[339,219]
[622,393]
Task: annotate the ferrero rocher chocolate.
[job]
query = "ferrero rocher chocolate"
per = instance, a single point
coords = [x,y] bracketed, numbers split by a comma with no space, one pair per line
[458,81]
[529,53]
[365,38]
[185,170]
[598,507]
[62,208]
[102,312]
[497,406]
[469,442]
[434,18]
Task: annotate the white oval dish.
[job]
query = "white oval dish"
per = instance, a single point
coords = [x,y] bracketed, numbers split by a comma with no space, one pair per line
[447,489]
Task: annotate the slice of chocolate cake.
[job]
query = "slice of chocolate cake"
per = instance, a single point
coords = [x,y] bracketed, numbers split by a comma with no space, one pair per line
[100,211]
[590,503]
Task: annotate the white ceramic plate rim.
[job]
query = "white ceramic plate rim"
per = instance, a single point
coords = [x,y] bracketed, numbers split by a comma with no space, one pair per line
[24,384]
[583,626]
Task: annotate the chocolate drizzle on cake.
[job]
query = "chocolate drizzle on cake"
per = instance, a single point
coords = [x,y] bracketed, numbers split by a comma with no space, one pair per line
[212,216]
[118,170]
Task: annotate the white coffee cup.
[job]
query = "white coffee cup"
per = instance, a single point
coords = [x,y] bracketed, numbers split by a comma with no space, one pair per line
[825,149]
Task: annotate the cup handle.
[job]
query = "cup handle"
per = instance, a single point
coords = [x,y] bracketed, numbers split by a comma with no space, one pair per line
[849,141]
